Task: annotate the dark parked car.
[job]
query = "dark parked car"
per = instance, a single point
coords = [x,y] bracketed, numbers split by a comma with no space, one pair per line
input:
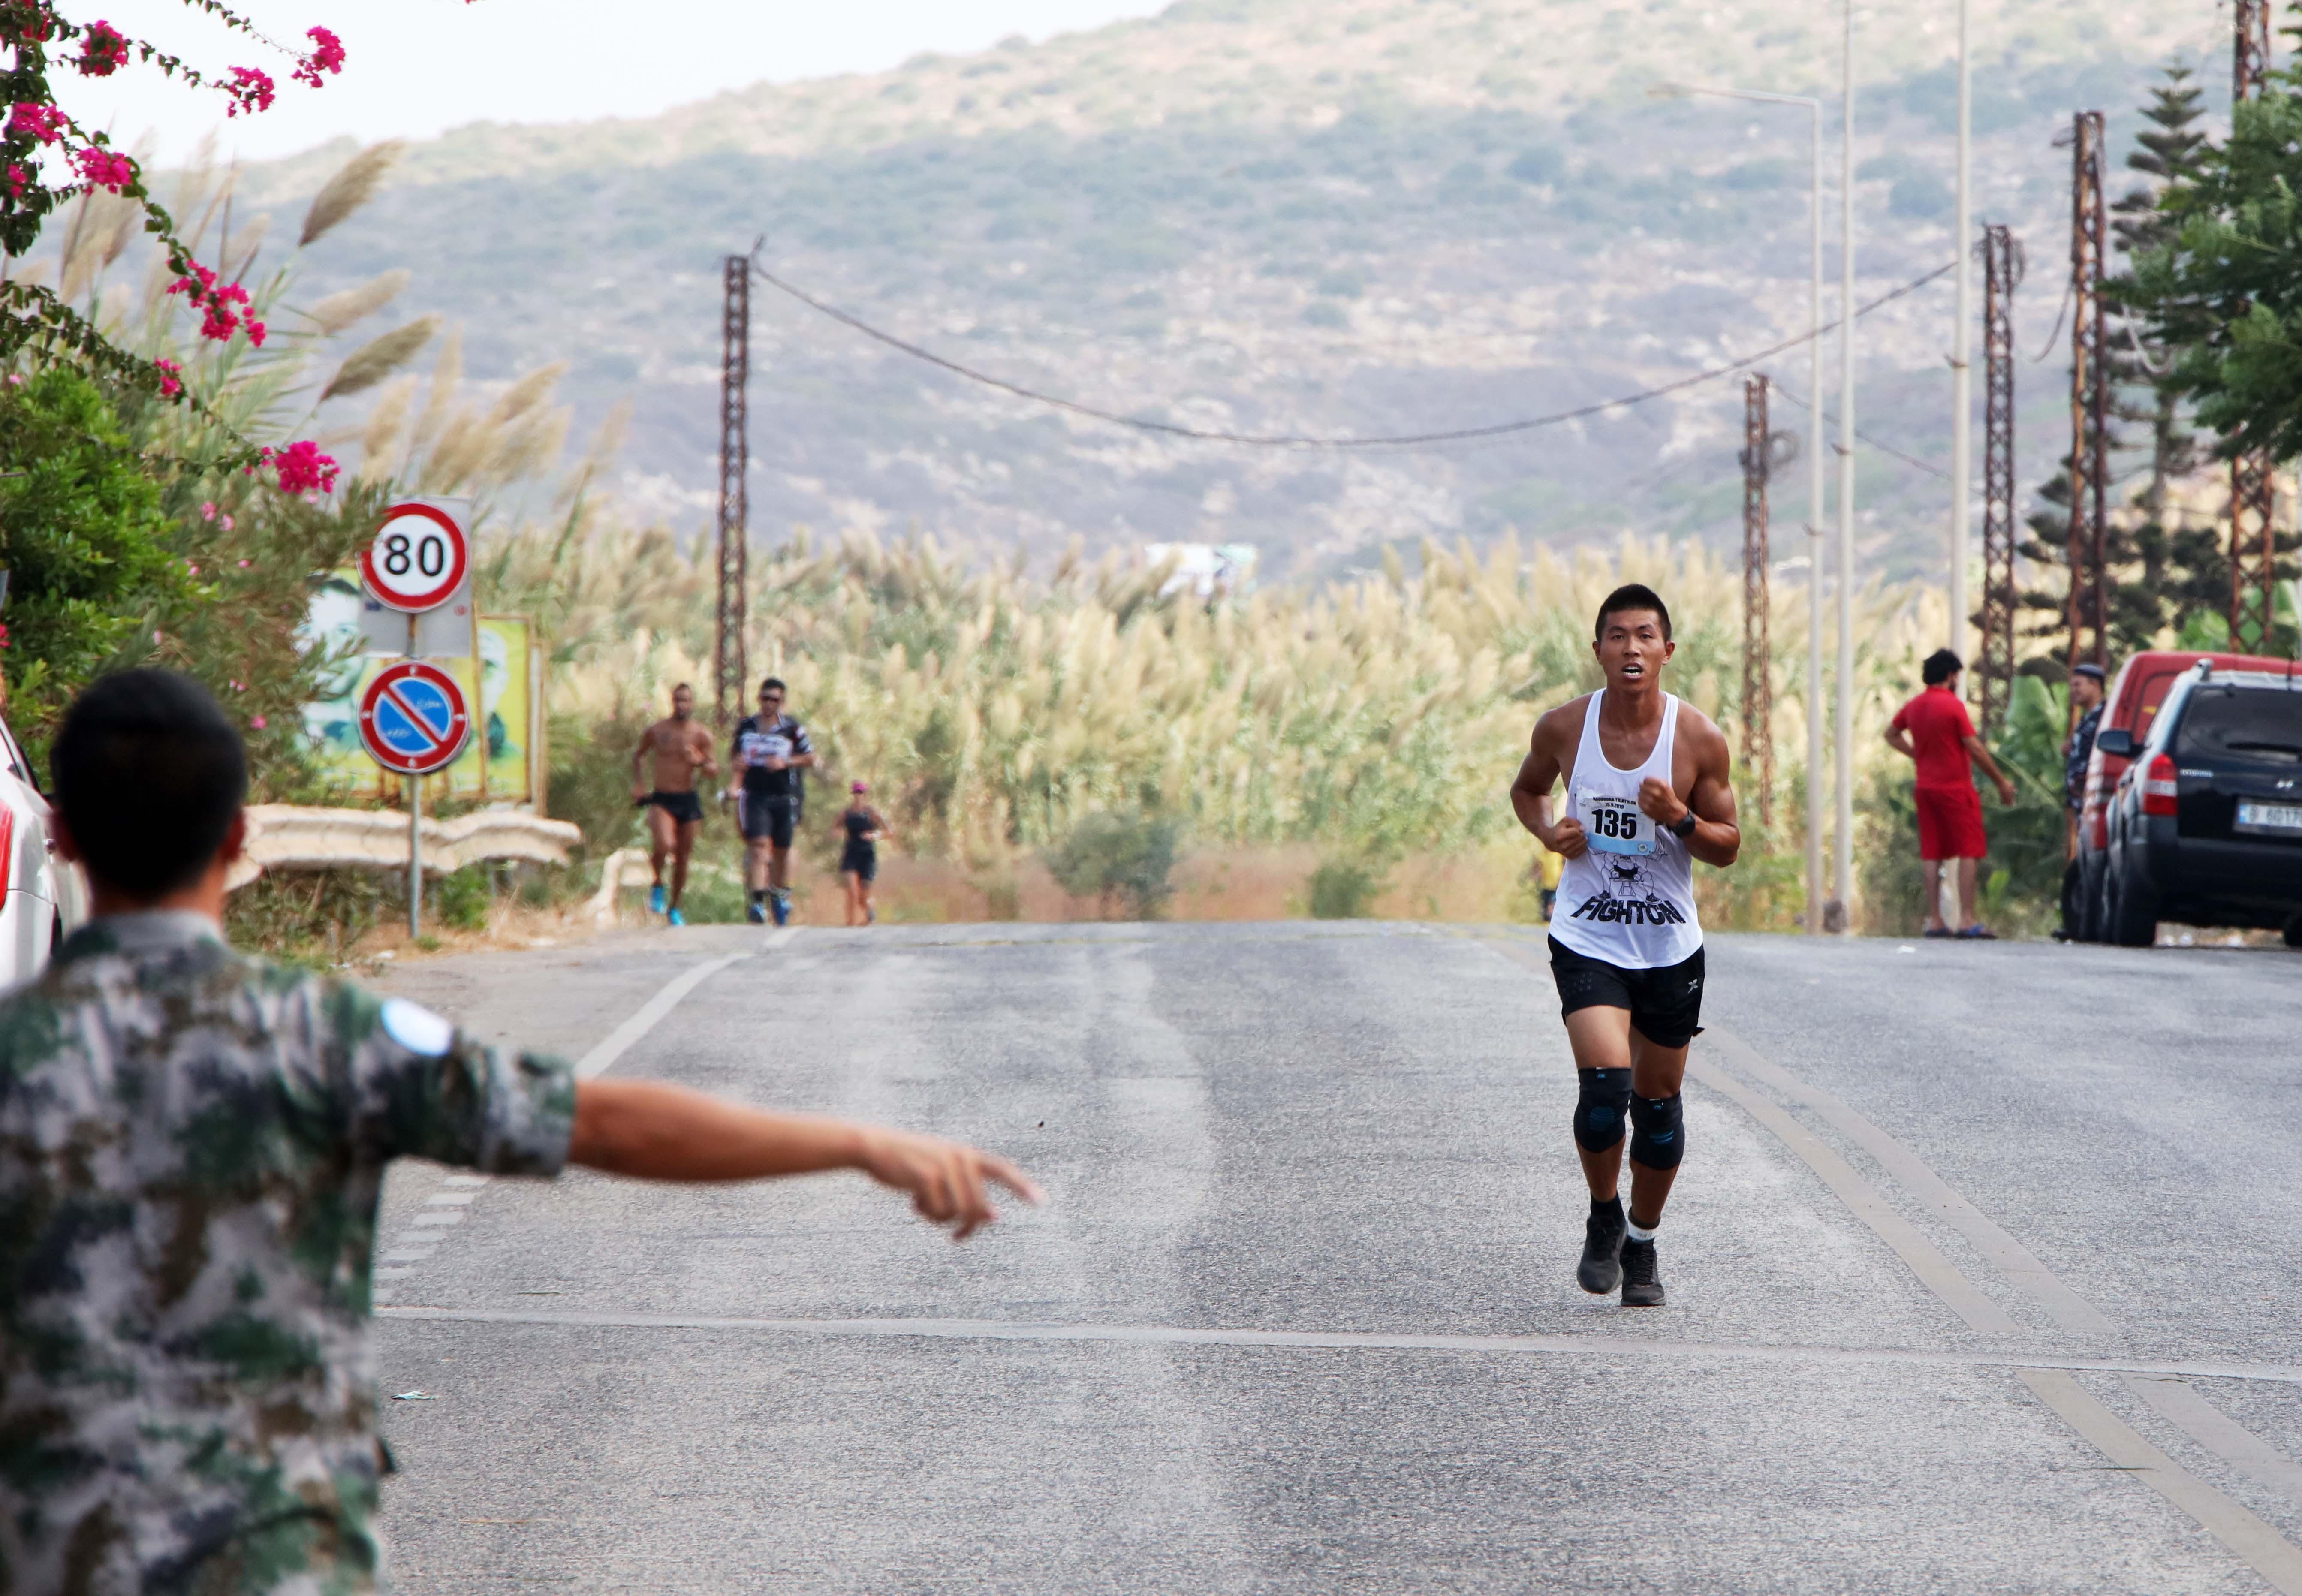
[2206,823]
[2131,704]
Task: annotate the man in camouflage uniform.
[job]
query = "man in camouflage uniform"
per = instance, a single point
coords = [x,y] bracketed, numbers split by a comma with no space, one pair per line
[192,1143]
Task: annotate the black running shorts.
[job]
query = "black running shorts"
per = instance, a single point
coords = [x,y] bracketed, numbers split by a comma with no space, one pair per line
[687,809]
[863,859]
[1666,1004]
[774,818]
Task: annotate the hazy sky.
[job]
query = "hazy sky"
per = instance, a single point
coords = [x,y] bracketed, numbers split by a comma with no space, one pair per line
[417,67]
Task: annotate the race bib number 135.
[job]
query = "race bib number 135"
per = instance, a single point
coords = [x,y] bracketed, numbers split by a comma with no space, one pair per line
[1616,825]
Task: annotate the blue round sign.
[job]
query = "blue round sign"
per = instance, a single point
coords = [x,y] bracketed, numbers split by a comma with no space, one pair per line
[412,719]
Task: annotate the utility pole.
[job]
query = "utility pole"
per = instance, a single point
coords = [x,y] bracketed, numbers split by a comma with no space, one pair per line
[2254,543]
[1757,686]
[1961,352]
[2002,270]
[734,500]
[2089,398]
[1837,915]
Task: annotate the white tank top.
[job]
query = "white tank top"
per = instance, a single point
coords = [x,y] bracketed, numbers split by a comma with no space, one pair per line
[1630,899]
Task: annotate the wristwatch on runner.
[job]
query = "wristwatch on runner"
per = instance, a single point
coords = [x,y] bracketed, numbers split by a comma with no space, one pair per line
[1684,828]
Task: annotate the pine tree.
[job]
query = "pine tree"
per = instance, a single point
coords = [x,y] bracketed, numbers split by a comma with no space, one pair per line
[2184,567]
[2157,575]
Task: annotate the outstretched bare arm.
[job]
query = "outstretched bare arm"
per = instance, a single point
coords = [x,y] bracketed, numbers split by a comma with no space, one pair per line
[656,1131]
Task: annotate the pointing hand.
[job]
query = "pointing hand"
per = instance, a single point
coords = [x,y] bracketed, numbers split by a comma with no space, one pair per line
[945,1179]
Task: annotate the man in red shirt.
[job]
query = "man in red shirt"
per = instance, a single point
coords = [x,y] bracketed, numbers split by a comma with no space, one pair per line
[1933,729]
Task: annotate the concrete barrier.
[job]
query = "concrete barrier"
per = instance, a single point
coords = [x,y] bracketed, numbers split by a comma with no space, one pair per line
[294,836]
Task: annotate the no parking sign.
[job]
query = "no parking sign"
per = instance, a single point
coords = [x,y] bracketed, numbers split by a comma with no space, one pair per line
[412,719]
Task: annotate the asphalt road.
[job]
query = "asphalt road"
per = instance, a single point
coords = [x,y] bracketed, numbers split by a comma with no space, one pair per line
[1980,1269]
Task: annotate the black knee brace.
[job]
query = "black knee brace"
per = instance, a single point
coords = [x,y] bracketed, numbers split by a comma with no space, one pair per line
[1658,1131]
[1599,1111]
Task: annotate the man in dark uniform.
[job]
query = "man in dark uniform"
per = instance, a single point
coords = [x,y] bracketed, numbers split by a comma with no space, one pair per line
[192,1142]
[2086,688]
[772,752]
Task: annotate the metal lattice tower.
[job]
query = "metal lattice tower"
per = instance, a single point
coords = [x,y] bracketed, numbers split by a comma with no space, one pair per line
[2253,553]
[2253,541]
[1757,685]
[2089,519]
[2250,57]
[735,501]
[2002,270]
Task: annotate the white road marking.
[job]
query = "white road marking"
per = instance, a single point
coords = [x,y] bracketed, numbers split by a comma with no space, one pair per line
[620,1041]
[1342,1340]
[2180,1405]
[445,1205]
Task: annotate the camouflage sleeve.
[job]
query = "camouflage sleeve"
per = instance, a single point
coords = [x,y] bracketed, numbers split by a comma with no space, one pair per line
[422,1087]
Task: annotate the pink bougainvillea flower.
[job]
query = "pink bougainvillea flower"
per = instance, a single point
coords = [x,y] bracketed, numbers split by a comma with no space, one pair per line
[30,120]
[251,91]
[4,634]
[219,319]
[225,522]
[302,467]
[104,168]
[172,376]
[207,510]
[327,56]
[102,51]
[258,722]
[18,179]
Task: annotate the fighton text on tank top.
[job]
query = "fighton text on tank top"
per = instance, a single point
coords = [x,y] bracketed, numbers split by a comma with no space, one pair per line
[1630,899]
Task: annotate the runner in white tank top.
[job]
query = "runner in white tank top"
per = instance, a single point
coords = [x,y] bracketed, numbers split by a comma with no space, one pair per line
[1647,794]
[1630,899]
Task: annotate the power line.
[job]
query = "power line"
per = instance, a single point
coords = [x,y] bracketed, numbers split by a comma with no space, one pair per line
[1293,441]
[1888,448]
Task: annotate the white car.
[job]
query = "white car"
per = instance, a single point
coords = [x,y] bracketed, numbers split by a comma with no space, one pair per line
[43,899]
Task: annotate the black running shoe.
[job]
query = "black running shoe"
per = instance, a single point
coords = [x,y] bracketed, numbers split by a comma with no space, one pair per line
[1602,1246]
[1642,1279]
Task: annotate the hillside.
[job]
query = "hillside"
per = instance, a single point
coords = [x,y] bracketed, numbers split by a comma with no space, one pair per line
[1266,215]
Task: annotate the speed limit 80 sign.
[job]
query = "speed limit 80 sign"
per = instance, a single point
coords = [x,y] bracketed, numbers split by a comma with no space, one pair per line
[418,560]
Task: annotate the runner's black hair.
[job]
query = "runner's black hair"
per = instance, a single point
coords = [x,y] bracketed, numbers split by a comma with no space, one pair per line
[1941,666]
[1631,595]
[148,774]
[775,682]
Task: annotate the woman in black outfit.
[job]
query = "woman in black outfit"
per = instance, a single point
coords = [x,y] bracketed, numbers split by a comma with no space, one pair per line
[858,854]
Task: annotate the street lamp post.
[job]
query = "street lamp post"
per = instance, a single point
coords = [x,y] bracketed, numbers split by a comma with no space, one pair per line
[1843,841]
[1814,696]
[1961,392]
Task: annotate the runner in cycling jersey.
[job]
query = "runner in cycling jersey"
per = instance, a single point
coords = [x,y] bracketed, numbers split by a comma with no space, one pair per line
[772,752]
[1647,794]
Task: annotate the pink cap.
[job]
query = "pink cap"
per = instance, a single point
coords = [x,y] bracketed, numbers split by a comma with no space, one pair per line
[857,787]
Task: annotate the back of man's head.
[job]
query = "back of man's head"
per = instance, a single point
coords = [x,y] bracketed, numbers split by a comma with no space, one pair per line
[1940,667]
[148,774]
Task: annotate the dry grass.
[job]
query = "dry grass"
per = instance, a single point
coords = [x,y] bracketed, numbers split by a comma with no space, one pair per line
[354,184]
[379,357]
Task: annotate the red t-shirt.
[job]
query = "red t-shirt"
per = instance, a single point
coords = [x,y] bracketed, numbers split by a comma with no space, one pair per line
[1937,724]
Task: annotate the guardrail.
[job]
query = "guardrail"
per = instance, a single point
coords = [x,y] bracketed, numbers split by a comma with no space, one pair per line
[296,837]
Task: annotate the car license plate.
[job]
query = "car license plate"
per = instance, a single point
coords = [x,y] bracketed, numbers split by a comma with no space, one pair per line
[2269,817]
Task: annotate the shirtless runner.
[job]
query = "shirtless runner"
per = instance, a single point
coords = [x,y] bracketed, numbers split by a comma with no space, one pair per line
[1647,794]
[680,749]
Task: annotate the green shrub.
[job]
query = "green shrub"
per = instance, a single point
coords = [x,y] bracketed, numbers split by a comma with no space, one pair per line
[1122,861]
[1345,889]
[85,541]
[460,899]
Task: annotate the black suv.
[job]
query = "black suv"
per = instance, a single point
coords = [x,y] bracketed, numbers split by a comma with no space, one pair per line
[2206,826]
